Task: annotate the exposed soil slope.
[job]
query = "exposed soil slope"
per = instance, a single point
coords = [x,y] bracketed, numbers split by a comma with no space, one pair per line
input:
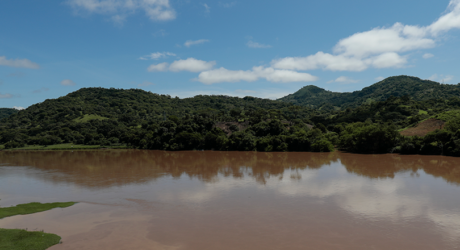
[424,128]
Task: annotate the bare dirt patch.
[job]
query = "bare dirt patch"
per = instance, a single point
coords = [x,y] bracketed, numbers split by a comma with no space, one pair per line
[424,128]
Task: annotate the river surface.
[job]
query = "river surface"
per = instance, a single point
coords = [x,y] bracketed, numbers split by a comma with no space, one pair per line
[134,199]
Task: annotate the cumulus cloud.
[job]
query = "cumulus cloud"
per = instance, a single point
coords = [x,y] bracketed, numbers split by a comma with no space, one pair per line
[157,55]
[252,44]
[270,74]
[5,96]
[379,78]
[189,64]
[448,21]
[67,82]
[157,10]
[192,65]
[398,38]
[428,55]
[189,43]
[158,67]
[380,47]
[344,80]
[18,107]
[18,63]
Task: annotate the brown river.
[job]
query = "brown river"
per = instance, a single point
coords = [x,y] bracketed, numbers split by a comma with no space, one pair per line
[133,199]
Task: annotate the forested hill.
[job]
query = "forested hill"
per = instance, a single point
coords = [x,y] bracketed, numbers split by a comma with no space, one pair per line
[5,112]
[395,86]
[134,106]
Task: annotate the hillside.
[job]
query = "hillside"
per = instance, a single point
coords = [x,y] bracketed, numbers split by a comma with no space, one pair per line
[98,116]
[396,86]
[135,105]
[5,112]
[95,117]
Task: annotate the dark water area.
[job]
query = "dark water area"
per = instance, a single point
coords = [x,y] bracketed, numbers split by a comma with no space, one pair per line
[134,199]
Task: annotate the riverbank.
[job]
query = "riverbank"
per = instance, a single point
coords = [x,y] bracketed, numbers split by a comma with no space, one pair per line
[19,239]
[65,146]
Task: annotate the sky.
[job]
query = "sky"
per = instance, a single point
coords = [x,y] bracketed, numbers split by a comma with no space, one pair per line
[183,48]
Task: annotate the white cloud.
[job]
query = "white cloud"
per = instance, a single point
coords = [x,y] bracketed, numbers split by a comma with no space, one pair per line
[158,67]
[270,74]
[18,63]
[208,9]
[441,78]
[321,60]
[5,96]
[145,84]
[18,107]
[379,78]
[158,10]
[428,55]
[252,44]
[67,82]
[157,55]
[398,38]
[448,21]
[189,64]
[378,48]
[387,60]
[189,43]
[192,65]
[344,79]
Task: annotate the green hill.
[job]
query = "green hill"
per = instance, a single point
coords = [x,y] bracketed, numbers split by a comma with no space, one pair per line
[395,86]
[5,112]
[98,116]
[133,106]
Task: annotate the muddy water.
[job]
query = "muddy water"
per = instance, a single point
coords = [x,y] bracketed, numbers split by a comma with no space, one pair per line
[236,200]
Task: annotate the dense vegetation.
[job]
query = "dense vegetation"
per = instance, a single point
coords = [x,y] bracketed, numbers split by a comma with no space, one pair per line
[5,112]
[97,116]
[396,86]
[140,119]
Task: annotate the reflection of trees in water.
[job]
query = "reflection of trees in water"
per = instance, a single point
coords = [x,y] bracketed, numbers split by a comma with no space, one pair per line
[119,167]
[387,165]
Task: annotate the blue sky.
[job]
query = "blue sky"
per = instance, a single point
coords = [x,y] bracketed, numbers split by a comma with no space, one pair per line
[258,48]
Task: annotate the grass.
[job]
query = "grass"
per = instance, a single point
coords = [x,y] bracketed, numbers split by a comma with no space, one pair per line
[422,112]
[31,208]
[448,115]
[87,118]
[18,239]
[65,146]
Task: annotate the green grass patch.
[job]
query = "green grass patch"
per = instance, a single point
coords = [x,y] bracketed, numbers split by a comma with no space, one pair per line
[422,112]
[17,239]
[31,208]
[87,118]
[448,115]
